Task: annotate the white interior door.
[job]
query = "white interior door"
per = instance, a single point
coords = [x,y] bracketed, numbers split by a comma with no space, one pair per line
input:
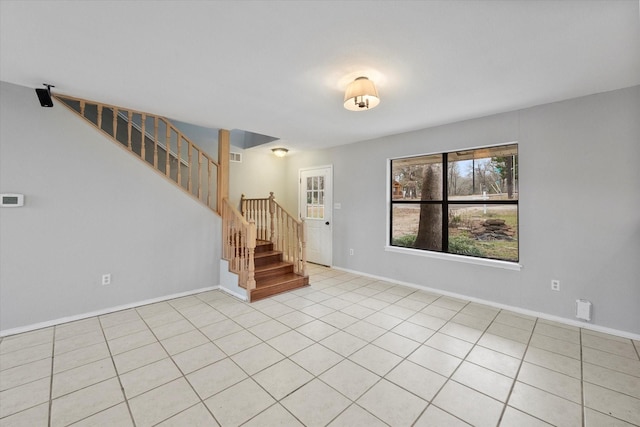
[315,207]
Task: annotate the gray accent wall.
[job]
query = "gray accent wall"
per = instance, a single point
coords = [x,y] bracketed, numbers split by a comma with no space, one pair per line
[579,207]
[90,209]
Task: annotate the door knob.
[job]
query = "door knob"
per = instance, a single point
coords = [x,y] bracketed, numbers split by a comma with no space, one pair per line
[326,223]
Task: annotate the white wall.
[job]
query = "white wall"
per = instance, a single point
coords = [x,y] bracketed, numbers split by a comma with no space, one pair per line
[90,208]
[579,207]
[259,173]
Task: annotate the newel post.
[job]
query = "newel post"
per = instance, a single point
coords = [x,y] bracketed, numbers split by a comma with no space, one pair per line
[272,212]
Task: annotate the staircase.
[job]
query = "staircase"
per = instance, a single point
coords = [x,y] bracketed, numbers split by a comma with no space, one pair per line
[272,274]
[264,245]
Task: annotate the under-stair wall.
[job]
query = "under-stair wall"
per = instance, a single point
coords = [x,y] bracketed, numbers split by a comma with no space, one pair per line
[159,144]
[90,209]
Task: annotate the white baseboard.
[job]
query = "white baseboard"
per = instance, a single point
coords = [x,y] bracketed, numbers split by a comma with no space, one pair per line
[229,282]
[515,309]
[233,294]
[68,319]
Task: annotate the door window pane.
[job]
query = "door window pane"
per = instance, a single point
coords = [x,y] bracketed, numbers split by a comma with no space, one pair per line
[315,197]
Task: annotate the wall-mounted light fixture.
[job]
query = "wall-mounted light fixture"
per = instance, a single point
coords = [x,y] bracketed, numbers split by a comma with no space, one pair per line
[280,152]
[361,94]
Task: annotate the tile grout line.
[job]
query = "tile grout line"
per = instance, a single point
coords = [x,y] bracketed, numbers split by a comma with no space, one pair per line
[583,412]
[450,377]
[53,355]
[515,377]
[115,368]
[184,376]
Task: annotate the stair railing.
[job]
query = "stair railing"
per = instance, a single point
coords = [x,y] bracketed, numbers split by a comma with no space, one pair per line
[156,141]
[276,225]
[239,244]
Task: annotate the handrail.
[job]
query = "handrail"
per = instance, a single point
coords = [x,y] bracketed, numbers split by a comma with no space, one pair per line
[238,245]
[275,224]
[156,141]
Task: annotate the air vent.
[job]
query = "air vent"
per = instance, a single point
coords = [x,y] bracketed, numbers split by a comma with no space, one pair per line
[235,157]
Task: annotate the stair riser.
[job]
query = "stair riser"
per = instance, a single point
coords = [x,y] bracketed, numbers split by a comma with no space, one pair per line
[267,259]
[273,272]
[264,248]
[258,294]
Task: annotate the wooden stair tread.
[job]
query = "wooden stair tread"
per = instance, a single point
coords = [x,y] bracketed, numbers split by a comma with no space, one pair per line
[266,254]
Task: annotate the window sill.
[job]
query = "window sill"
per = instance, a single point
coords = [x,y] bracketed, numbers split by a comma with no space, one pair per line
[506,265]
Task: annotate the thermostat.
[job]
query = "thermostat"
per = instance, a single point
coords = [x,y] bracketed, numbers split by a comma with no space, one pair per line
[9,200]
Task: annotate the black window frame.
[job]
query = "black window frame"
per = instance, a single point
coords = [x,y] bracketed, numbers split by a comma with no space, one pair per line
[445,203]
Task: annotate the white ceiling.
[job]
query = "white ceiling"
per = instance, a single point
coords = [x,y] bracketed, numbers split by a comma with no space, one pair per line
[280,68]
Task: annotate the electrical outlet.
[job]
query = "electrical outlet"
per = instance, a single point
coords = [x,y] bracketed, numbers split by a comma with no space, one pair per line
[555,285]
[106,279]
[351,251]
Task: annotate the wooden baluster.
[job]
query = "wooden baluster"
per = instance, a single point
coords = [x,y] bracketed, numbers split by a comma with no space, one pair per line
[129,127]
[280,229]
[115,123]
[277,230]
[155,142]
[303,240]
[298,249]
[288,239]
[199,175]
[255,213]
[82,105]
[190,161]
[292,241]
[243,210]
[99,116]
[265,219]
[179,137]
[225,240]
[272,212]
[143,135]
[260,223]
[251,246]
[167,167]
[283,228]
[209,183]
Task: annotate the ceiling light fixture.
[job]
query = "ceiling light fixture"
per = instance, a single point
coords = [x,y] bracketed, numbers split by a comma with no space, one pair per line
[361,94]
[280,152]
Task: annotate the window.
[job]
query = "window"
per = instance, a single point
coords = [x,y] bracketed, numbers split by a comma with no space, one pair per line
[463,202]
[315,197]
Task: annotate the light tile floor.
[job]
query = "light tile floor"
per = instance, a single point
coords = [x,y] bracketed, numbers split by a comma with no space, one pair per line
[346,351]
